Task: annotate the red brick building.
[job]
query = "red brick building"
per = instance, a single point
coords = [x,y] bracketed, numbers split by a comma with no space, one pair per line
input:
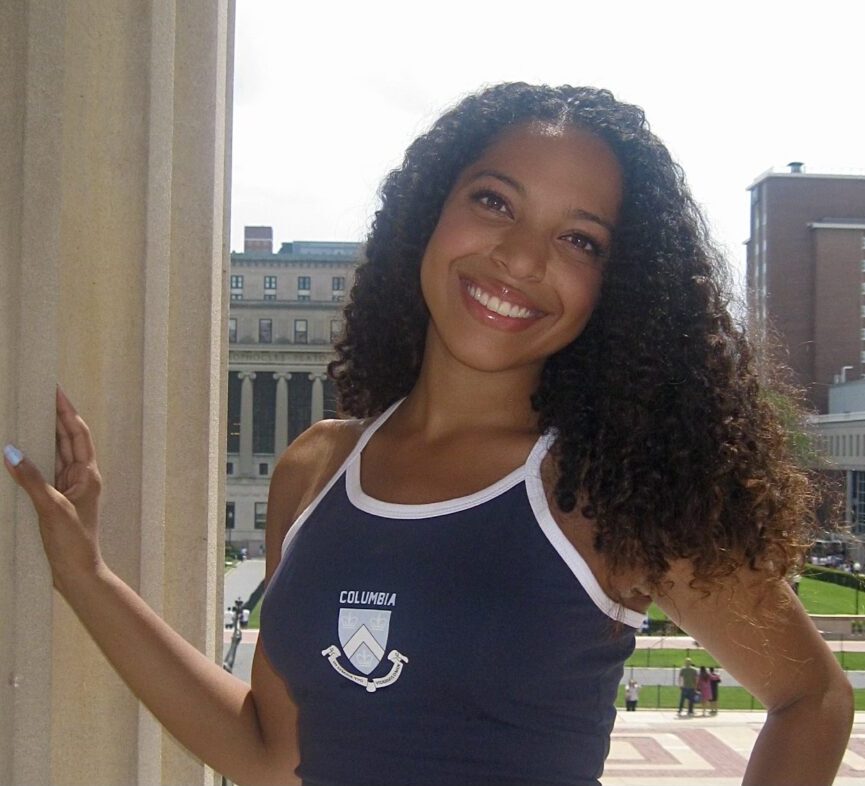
[806,272]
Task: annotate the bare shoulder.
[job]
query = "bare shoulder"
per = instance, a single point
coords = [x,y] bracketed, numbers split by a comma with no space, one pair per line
[303,469]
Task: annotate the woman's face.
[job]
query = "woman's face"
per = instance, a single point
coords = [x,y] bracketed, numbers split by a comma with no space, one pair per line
[513,269]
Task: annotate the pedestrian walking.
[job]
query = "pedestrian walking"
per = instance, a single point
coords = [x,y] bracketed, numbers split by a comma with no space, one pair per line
[715,680]
[687,687]
[632,695]
[704,689]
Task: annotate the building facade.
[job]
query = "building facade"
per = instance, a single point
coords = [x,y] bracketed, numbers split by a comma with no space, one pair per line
[806,287]
[840,436]
[806,273]
[285,313]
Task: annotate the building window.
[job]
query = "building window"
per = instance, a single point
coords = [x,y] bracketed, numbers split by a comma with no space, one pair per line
[229,515]
[300,331]
[265,331]
[338,288]
[336,328]
[229,468]
[237,287]
[304,284]
[232,331]
[262,468]
[260,514]
[270,287]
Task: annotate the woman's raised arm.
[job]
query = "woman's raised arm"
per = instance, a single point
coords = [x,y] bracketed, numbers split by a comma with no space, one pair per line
[208,710]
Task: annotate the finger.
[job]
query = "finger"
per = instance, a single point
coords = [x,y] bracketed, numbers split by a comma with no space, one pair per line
[64,442]
[76,428]
[27,475]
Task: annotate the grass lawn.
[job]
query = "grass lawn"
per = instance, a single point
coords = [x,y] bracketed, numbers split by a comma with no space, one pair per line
[255,617]
[661,659]
[818,597]
[821,597]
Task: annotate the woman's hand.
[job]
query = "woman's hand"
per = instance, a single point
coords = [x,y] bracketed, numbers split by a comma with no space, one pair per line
[68,511]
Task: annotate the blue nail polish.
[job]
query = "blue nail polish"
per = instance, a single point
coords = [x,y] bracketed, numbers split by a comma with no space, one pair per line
[13,455]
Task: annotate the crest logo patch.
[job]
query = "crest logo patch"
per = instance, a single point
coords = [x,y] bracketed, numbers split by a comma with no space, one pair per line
[363,635]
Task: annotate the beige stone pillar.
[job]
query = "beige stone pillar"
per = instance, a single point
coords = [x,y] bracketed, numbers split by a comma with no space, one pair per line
[113,242]
[246,426]
[317,404]
[280,441]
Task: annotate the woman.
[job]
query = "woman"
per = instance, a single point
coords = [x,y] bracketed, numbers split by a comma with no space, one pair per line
[552,401]
[714,679]
[704,688]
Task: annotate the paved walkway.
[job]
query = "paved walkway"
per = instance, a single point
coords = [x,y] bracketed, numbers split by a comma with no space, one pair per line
[242,580]
[655,748]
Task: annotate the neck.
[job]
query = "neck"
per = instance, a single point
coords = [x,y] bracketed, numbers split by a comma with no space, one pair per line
[449,397]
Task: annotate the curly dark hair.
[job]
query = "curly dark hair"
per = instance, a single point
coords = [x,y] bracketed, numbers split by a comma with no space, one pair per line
[664,436]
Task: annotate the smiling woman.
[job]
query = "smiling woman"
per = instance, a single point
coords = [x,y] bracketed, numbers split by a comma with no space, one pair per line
[524,229]
[555,421]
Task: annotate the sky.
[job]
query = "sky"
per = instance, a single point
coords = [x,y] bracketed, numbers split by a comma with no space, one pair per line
[327,95]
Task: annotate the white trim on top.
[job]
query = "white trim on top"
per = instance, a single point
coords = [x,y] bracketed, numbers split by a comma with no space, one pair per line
[559,541]
[394,510]
[355,451]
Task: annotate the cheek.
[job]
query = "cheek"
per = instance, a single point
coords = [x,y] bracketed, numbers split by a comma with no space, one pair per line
[582,292]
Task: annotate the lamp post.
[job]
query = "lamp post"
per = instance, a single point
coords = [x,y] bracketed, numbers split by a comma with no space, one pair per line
[856,568]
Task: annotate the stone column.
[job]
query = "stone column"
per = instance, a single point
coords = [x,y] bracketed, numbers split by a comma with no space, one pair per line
[317,397]
[113,175]
[280,441]
[246,416]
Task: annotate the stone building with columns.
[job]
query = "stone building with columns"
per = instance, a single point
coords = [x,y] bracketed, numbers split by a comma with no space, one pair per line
[285,311]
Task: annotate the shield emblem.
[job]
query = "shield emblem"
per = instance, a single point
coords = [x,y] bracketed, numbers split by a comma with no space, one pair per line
[363,635]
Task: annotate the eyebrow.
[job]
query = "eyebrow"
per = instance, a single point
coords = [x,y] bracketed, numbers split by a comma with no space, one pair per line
[519,188]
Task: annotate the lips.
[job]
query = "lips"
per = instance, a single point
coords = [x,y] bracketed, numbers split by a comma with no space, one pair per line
[496,304]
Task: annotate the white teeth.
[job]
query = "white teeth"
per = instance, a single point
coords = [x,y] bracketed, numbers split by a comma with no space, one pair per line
[502,307]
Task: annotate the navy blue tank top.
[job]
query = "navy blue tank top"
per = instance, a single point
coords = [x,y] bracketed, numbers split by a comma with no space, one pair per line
[456,643]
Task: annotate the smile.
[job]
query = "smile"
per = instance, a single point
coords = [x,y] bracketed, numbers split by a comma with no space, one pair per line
[497,305]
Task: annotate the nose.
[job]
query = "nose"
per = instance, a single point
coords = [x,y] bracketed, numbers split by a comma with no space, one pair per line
[522,252]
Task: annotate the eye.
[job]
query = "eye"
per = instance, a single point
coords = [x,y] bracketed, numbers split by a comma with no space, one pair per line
[586,244]
[492,201]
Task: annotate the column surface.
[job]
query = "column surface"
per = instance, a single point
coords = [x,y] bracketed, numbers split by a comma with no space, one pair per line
[281,420]
[246,401]
[113,181]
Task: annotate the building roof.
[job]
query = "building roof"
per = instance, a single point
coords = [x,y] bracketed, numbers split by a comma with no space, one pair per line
[306,251]
[849,174]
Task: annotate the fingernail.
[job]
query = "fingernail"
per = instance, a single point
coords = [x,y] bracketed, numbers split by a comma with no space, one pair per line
[13,455]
